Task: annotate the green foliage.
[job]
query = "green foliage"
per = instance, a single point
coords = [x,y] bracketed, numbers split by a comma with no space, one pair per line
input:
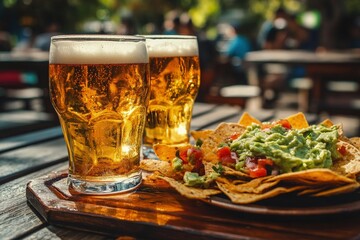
[204,13]
[353,6]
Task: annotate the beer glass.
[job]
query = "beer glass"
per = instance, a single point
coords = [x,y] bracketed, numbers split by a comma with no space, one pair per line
[99,87]
[175,81]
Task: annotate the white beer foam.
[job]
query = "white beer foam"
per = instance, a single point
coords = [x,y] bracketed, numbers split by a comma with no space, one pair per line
[97,52]
[172,47]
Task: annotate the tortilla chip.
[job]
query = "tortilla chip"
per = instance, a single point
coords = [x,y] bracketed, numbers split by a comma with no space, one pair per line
[168,152]
[239,187]
[339,190]
[298,121]
[202,134]
[234,173]
[231,181]
[355,141]
[254,186]
[190,192]
[245,198]
[313,177]
[220,134]
[348,164]
[246,120]
[311,190]
[209,168]
[327,123]
[153,165]
[352,168]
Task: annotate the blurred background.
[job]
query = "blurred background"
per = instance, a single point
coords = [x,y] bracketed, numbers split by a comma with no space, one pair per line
[331,23]
[227,31]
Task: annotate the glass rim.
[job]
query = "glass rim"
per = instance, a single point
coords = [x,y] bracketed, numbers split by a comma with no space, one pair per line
[97,37]
[174,36]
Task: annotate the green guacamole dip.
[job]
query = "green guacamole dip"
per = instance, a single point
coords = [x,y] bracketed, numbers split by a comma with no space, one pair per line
[291,150]
[192,179]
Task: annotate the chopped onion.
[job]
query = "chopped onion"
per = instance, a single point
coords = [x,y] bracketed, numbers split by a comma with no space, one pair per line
[234,156]
[250,164]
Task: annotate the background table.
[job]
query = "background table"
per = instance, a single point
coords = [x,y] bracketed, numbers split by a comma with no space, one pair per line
[32,155]
[34,62]
[320,68]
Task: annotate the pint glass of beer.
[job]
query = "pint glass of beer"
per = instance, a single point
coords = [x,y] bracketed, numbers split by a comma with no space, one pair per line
[99,87]
[175,81]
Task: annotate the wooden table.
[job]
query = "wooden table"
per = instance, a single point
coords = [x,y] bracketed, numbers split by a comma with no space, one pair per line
[320,68]
[28,157]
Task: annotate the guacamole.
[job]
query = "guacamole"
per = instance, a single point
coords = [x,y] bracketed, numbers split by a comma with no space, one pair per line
[193,179]
[291,150]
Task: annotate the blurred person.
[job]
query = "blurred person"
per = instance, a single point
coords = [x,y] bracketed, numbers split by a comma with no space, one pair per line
[5,40]
[279,18]
[284,33]
[186,26]
[127,26]
[297,36]
[208,56]
[236,50]
[42,40]
[172,23]
[151,29]
[273,35]
[275,38]
[349,30]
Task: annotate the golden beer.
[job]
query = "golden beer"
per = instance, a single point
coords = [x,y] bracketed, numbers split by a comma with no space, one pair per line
[100,90]
[175,81]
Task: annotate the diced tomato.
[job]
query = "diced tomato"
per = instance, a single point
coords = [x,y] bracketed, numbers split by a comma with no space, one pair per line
[262,162]
[228,160]
[258,172]
[224,155]
[342,150]
[259,169]
[194,155]
[223,152]
[183,154]
[266,126]
[285,123]
[234,136]
[199,167]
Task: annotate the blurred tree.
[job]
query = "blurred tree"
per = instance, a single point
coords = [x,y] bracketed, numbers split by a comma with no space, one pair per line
[73,13]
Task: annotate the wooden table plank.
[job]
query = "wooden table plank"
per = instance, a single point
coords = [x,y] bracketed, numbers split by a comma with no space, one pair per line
[202,108]
[18,122]
[16,217]
[54,233]
[219,114]
[262,115]
[18,220]
[30,138]
[22,161]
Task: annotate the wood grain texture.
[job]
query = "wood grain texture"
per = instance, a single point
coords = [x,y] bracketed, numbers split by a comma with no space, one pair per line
[58,233]
[16,217]
[158,212]
[12,143]
[31,158]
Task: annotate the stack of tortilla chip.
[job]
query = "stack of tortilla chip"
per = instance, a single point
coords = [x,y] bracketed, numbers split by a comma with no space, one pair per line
[342,177]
